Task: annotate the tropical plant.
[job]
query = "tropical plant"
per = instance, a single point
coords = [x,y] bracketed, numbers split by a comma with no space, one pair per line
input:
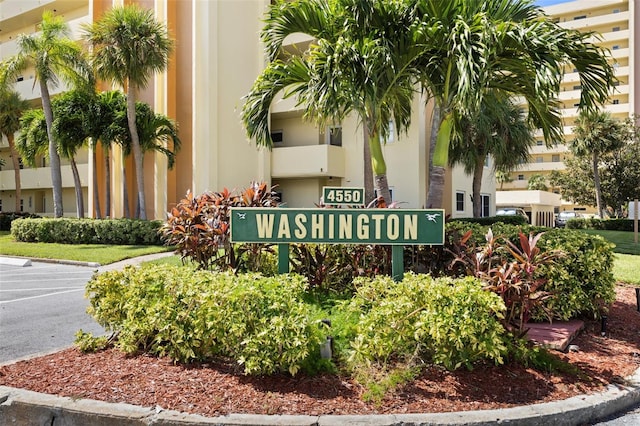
[597,133]
[474,46]
[129,46]
[503,177]
[498,130]
[537,182]
[12,106]
[156,132]
[71,129]
[103,130]
[363,61]
[52,55]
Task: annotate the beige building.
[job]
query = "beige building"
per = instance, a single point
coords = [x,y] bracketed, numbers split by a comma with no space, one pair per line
[218,56]
[617,23]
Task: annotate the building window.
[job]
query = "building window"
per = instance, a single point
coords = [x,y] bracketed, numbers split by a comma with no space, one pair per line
[539,142]
[555,158]
[616,10]
[487,162]
[539,160]
[30,201]
[44,162]
[485,200]
[616,47]
[334,136]
[391,137]
[577,87]
[0,204]
[277,136]
[21,205]
[576,105]
[520,177]
[575,18]
[459,201]
[616,101]
[614,29]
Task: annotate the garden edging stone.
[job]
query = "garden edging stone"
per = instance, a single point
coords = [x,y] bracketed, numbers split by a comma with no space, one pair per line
[23,407]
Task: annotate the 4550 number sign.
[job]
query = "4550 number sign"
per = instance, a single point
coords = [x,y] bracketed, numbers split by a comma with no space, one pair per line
[342,196]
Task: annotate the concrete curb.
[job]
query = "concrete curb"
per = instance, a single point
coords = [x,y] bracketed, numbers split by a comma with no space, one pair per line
[22,407]
[16,260]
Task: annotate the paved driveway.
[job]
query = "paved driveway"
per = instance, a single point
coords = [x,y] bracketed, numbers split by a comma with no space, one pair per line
[41,308]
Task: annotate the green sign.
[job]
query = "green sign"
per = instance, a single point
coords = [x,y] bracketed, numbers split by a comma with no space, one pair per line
[338,226]
[341,196]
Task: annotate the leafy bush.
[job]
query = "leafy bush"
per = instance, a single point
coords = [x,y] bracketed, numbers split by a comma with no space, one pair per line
[452,322]
[87,231]
[582,278]
[6,219]
[198,226]
[486,221]
[188,315]
[332,267]
[601,224]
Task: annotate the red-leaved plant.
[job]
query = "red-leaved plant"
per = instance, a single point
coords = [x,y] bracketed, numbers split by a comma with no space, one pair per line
[199,227]
[509,270]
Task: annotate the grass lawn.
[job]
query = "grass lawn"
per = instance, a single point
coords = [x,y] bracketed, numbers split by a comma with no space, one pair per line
[102,254]
[626,268]
[623,240]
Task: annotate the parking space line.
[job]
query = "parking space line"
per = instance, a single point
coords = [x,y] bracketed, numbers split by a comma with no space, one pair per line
[39,296]
[3,281]
[38,288]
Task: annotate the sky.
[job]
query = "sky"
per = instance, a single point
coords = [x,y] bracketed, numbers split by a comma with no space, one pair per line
[544,3]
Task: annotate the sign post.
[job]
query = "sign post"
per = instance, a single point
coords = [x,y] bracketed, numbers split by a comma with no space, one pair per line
[395,227]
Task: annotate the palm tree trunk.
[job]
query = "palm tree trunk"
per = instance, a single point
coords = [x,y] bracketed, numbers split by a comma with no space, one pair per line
[368,169]
[54,158]
[125,191]
[477,185]
[16,169]
[379,168]
[596,183]
[135,146]
[436,173]
[107,178]
[78,185]
[96,196]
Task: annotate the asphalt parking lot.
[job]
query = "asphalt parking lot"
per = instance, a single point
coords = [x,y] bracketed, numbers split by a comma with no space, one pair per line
[41,308]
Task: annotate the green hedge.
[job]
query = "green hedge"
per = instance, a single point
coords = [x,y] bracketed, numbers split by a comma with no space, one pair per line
[601,224]
[7,218]
[486,221]
[88,231]
[260,322]
[581,280]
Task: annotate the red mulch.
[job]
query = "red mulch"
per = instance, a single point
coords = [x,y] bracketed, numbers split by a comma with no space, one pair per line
[215,389]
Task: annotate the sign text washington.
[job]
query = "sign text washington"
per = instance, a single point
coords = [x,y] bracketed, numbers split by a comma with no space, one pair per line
[338,226]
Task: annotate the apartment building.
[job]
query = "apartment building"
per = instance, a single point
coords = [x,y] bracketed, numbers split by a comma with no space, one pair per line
[617,23]
[218,56]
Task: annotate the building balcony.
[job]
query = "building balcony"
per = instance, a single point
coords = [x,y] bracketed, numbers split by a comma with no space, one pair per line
[541,167]
[308,161]
[285,108]
[592,22]
[40,178]
[574,77]
[566,130]
[610,37]
[542,149]
[513,185]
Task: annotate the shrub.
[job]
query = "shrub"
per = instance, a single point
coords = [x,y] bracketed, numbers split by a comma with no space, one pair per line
[452,322]
[582,278]
[198,226]
[87,231]
[188,315]
[6,219]
[601,224]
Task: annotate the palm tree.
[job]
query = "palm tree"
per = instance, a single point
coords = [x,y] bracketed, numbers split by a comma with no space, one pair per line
[597,133]
[32,141]
[71,130]
[363,60]
[472,46]
[129,47]
[11,108]
[503,177]
[498,130]
[52,55]
[156,132]
[104,113]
